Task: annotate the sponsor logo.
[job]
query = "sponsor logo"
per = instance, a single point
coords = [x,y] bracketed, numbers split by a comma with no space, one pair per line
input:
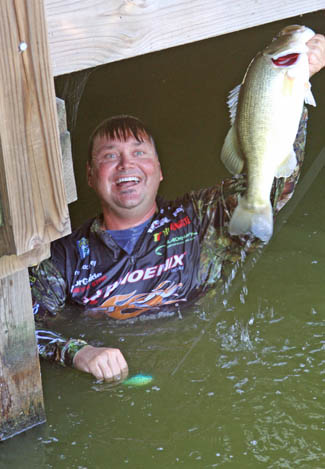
[88,267]
[174,262]
[132,304]
[94,283]
[165,232]
[174,226]
[176,241]
[85,281]
[83,247]
[98,280]
[78,289]
[158,223]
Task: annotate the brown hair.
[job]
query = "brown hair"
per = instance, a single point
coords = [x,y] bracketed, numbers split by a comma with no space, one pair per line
[120,127]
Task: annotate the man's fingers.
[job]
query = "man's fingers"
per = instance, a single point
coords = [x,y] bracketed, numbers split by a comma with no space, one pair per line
[117,365]
[101,362]
[99,372]
[123,365]
[316,53]
[105,372]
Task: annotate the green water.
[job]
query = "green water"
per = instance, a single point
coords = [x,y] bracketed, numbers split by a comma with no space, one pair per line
[238,381]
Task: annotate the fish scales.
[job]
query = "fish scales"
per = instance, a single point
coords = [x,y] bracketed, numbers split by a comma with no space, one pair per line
[265,113]
[262,118]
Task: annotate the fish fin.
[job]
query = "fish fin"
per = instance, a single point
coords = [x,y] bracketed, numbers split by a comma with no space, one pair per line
[248,221]
[309,97]
[287,167]
[230,153]
[232,103]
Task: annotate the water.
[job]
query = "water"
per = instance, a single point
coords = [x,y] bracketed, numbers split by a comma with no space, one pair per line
[237,381]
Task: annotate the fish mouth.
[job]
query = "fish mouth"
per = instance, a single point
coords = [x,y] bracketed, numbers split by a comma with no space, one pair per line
[286,60]
[287,50]
[288,45]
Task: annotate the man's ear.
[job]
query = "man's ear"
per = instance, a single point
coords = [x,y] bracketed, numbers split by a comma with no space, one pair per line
[89,170]
[161,174]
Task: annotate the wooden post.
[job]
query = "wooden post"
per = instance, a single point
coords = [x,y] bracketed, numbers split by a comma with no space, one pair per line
[34,209]
[20,382]
[32,193]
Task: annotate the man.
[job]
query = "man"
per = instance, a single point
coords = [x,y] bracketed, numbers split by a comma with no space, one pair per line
[142,253]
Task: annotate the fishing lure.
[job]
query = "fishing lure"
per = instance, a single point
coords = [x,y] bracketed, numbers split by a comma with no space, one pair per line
[138,380]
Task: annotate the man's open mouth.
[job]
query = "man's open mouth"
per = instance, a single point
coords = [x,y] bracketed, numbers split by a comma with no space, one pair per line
[127,180]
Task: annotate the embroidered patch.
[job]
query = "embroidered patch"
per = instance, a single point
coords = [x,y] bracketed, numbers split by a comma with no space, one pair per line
[83,247]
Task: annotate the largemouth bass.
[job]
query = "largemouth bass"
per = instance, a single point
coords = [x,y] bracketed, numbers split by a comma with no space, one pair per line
[265,111]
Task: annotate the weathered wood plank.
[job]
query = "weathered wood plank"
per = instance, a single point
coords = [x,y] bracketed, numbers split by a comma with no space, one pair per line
[21,397]
[31,182]
[65,142]
[11,264]
[85,34]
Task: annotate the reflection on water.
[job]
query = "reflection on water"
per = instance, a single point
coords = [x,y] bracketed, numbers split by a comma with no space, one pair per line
[238,379]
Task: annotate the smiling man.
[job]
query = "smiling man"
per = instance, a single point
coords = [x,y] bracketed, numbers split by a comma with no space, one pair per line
[142,254]
[124,170]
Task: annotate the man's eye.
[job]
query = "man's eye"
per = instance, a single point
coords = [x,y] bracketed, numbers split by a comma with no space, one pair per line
[109,156]
[139,153]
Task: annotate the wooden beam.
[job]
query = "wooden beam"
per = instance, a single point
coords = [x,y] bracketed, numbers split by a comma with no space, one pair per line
[32,193]
[86,34]
[11,264]
[66,151]
[21,397]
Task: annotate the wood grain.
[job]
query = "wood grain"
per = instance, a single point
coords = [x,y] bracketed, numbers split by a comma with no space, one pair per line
[11,264]
[89,33]
[21,397]
[66,151]
[32,193]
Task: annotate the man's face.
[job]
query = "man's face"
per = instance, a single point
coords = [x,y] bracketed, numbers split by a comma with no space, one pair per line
[125,175]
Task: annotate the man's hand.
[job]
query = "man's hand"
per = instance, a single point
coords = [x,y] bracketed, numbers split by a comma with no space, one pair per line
[316,53]
[104,363]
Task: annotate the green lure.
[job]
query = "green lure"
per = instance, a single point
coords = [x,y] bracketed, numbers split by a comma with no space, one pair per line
[138,380]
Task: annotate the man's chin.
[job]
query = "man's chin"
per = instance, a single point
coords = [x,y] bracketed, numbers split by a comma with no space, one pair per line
[129,204]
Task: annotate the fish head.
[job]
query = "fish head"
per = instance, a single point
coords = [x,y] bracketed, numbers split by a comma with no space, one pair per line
[296,30]
[289,47]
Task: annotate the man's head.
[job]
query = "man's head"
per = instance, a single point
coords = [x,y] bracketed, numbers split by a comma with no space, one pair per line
[124,170]
[120,128]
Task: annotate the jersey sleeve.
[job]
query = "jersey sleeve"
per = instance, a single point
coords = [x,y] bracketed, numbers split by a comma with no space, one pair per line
[48,289]
[54,347]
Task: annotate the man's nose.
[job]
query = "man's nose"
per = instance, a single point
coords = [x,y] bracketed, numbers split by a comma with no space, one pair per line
[125,161]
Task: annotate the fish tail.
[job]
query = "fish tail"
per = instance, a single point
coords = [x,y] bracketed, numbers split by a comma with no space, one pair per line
[252,221]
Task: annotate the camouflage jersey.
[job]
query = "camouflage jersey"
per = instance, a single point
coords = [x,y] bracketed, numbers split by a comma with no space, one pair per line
[183,251]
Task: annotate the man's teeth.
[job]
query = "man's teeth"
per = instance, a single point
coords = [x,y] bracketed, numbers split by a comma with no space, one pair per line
[128,179]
